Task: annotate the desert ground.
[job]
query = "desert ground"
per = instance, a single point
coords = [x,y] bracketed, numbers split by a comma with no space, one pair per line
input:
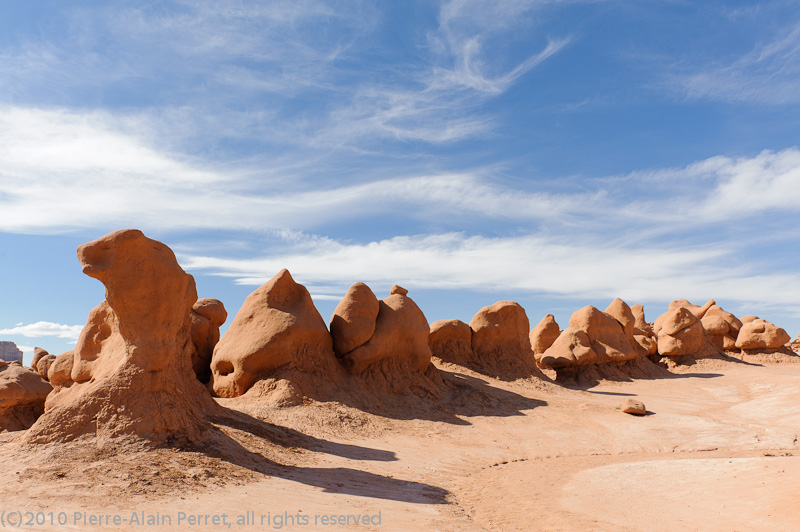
[717,451]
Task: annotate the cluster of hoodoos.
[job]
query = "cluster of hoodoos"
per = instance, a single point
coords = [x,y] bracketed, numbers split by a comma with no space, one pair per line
[150,357]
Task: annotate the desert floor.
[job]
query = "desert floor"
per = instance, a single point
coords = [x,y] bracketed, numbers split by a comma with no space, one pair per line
[718,451]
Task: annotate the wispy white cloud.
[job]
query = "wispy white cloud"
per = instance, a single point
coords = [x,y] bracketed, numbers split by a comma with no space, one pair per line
[465,28]
[203,61]
[439,102]
[59,142]
[767,182]
[62,170]
[468,71]
[528,264]
[716,189]
[769,73]
[404,114]
[45,328]
[100,47]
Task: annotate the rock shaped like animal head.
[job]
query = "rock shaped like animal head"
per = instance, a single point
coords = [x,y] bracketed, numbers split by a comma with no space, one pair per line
[145,286]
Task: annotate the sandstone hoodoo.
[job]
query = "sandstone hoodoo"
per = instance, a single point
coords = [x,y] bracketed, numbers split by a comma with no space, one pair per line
[130,373]
[43,365]
[761,334]
[397,289]
[38,354]
[451,341]
[639,320]
[637,337]
[543,335]
[399,343]
[353,320]
[643,333]
[593,337]
[207,316]
[722,326]
[681,333]
[22,395]
[573,347]
[501,345]
[277,327]
[60,372]
[621,312]
[697,310]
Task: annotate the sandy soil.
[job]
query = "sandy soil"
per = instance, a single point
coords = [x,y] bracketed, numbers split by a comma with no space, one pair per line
[718,451]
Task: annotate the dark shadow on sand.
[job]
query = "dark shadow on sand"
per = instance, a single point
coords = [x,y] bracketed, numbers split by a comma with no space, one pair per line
[218,444]
[613,393]
[449,397]
[288,437]
[585,377]
[691,361]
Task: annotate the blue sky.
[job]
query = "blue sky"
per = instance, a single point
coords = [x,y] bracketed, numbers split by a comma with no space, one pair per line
[556,153]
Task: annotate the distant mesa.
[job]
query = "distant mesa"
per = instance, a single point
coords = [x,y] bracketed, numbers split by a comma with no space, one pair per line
[9,352]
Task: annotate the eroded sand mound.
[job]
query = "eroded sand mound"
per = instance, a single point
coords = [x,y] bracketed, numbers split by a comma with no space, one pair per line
[207,317]
[451,341]
[277,327]
[131,370]
[594,337]
[399,343]
[761,334]
[279,351]
[723,326]
[353,320]
[681,333]
[22,395]
[544,335]
[38,354]
[501,345]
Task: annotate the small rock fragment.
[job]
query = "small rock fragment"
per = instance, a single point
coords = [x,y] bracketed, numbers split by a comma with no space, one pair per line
[632,406]
[396,289]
